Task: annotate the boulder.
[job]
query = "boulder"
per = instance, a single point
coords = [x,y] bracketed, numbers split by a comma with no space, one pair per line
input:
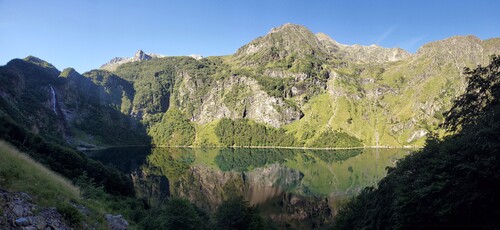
[116,222]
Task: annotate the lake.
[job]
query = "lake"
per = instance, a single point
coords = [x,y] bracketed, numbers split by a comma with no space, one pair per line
[298,188]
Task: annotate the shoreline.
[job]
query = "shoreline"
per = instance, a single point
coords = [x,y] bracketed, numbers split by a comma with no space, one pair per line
[252,147]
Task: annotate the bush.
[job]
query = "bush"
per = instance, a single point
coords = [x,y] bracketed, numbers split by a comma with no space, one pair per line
[70,213]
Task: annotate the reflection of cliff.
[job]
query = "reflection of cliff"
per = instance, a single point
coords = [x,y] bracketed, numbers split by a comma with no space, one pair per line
[208,187]
[264,187]
[153,188]
[270,181]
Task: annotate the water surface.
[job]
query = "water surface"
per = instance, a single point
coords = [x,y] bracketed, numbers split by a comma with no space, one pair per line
[287,185]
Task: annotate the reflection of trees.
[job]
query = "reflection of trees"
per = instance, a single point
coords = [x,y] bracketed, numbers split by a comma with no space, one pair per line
[244,159]
[170,162]
[335,155]
[162,169]
[126,159]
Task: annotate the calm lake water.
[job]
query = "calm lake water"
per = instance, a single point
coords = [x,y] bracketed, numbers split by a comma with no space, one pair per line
[298,187]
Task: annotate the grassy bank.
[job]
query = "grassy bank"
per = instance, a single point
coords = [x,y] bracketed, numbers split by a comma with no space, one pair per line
[18,172]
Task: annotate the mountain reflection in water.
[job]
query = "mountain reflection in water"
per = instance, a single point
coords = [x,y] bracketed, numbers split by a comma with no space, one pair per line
[286,184]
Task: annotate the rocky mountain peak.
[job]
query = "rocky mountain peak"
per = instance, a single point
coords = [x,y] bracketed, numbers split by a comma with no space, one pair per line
[138,56]
[298,41]
[280,43]
[289,28]
[141,56]
[196,56]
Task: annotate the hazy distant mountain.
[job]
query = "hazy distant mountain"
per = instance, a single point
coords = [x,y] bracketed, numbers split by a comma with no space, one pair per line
[138,56]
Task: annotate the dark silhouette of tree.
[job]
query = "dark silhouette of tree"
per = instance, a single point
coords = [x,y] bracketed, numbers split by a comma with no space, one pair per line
[482,92]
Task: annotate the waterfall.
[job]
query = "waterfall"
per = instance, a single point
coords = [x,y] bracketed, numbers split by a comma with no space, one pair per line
[54,100]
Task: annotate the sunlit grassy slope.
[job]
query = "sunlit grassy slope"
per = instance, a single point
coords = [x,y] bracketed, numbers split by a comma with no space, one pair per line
[205,135]
[18,172]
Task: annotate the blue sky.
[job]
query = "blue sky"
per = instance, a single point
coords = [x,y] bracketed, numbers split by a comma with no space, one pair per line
[85,34]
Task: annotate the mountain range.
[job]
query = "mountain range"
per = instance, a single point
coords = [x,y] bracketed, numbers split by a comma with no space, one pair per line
[289,88]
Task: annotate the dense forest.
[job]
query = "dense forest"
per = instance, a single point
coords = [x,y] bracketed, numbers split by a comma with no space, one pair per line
[244,132]
[453,182]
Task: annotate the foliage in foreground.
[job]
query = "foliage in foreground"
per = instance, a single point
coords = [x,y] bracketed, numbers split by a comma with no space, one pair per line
[452,183]
[20,173]
[67,162]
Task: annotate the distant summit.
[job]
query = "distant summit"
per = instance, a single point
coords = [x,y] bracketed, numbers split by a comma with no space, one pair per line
[138,56]
[196,56]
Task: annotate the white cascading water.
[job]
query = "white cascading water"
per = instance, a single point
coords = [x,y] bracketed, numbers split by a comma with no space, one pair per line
[53,99]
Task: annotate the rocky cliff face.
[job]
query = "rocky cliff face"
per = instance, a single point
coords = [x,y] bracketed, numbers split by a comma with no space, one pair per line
[236,97]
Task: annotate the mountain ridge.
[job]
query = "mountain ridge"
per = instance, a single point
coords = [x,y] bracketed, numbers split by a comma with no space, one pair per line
[307,87]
